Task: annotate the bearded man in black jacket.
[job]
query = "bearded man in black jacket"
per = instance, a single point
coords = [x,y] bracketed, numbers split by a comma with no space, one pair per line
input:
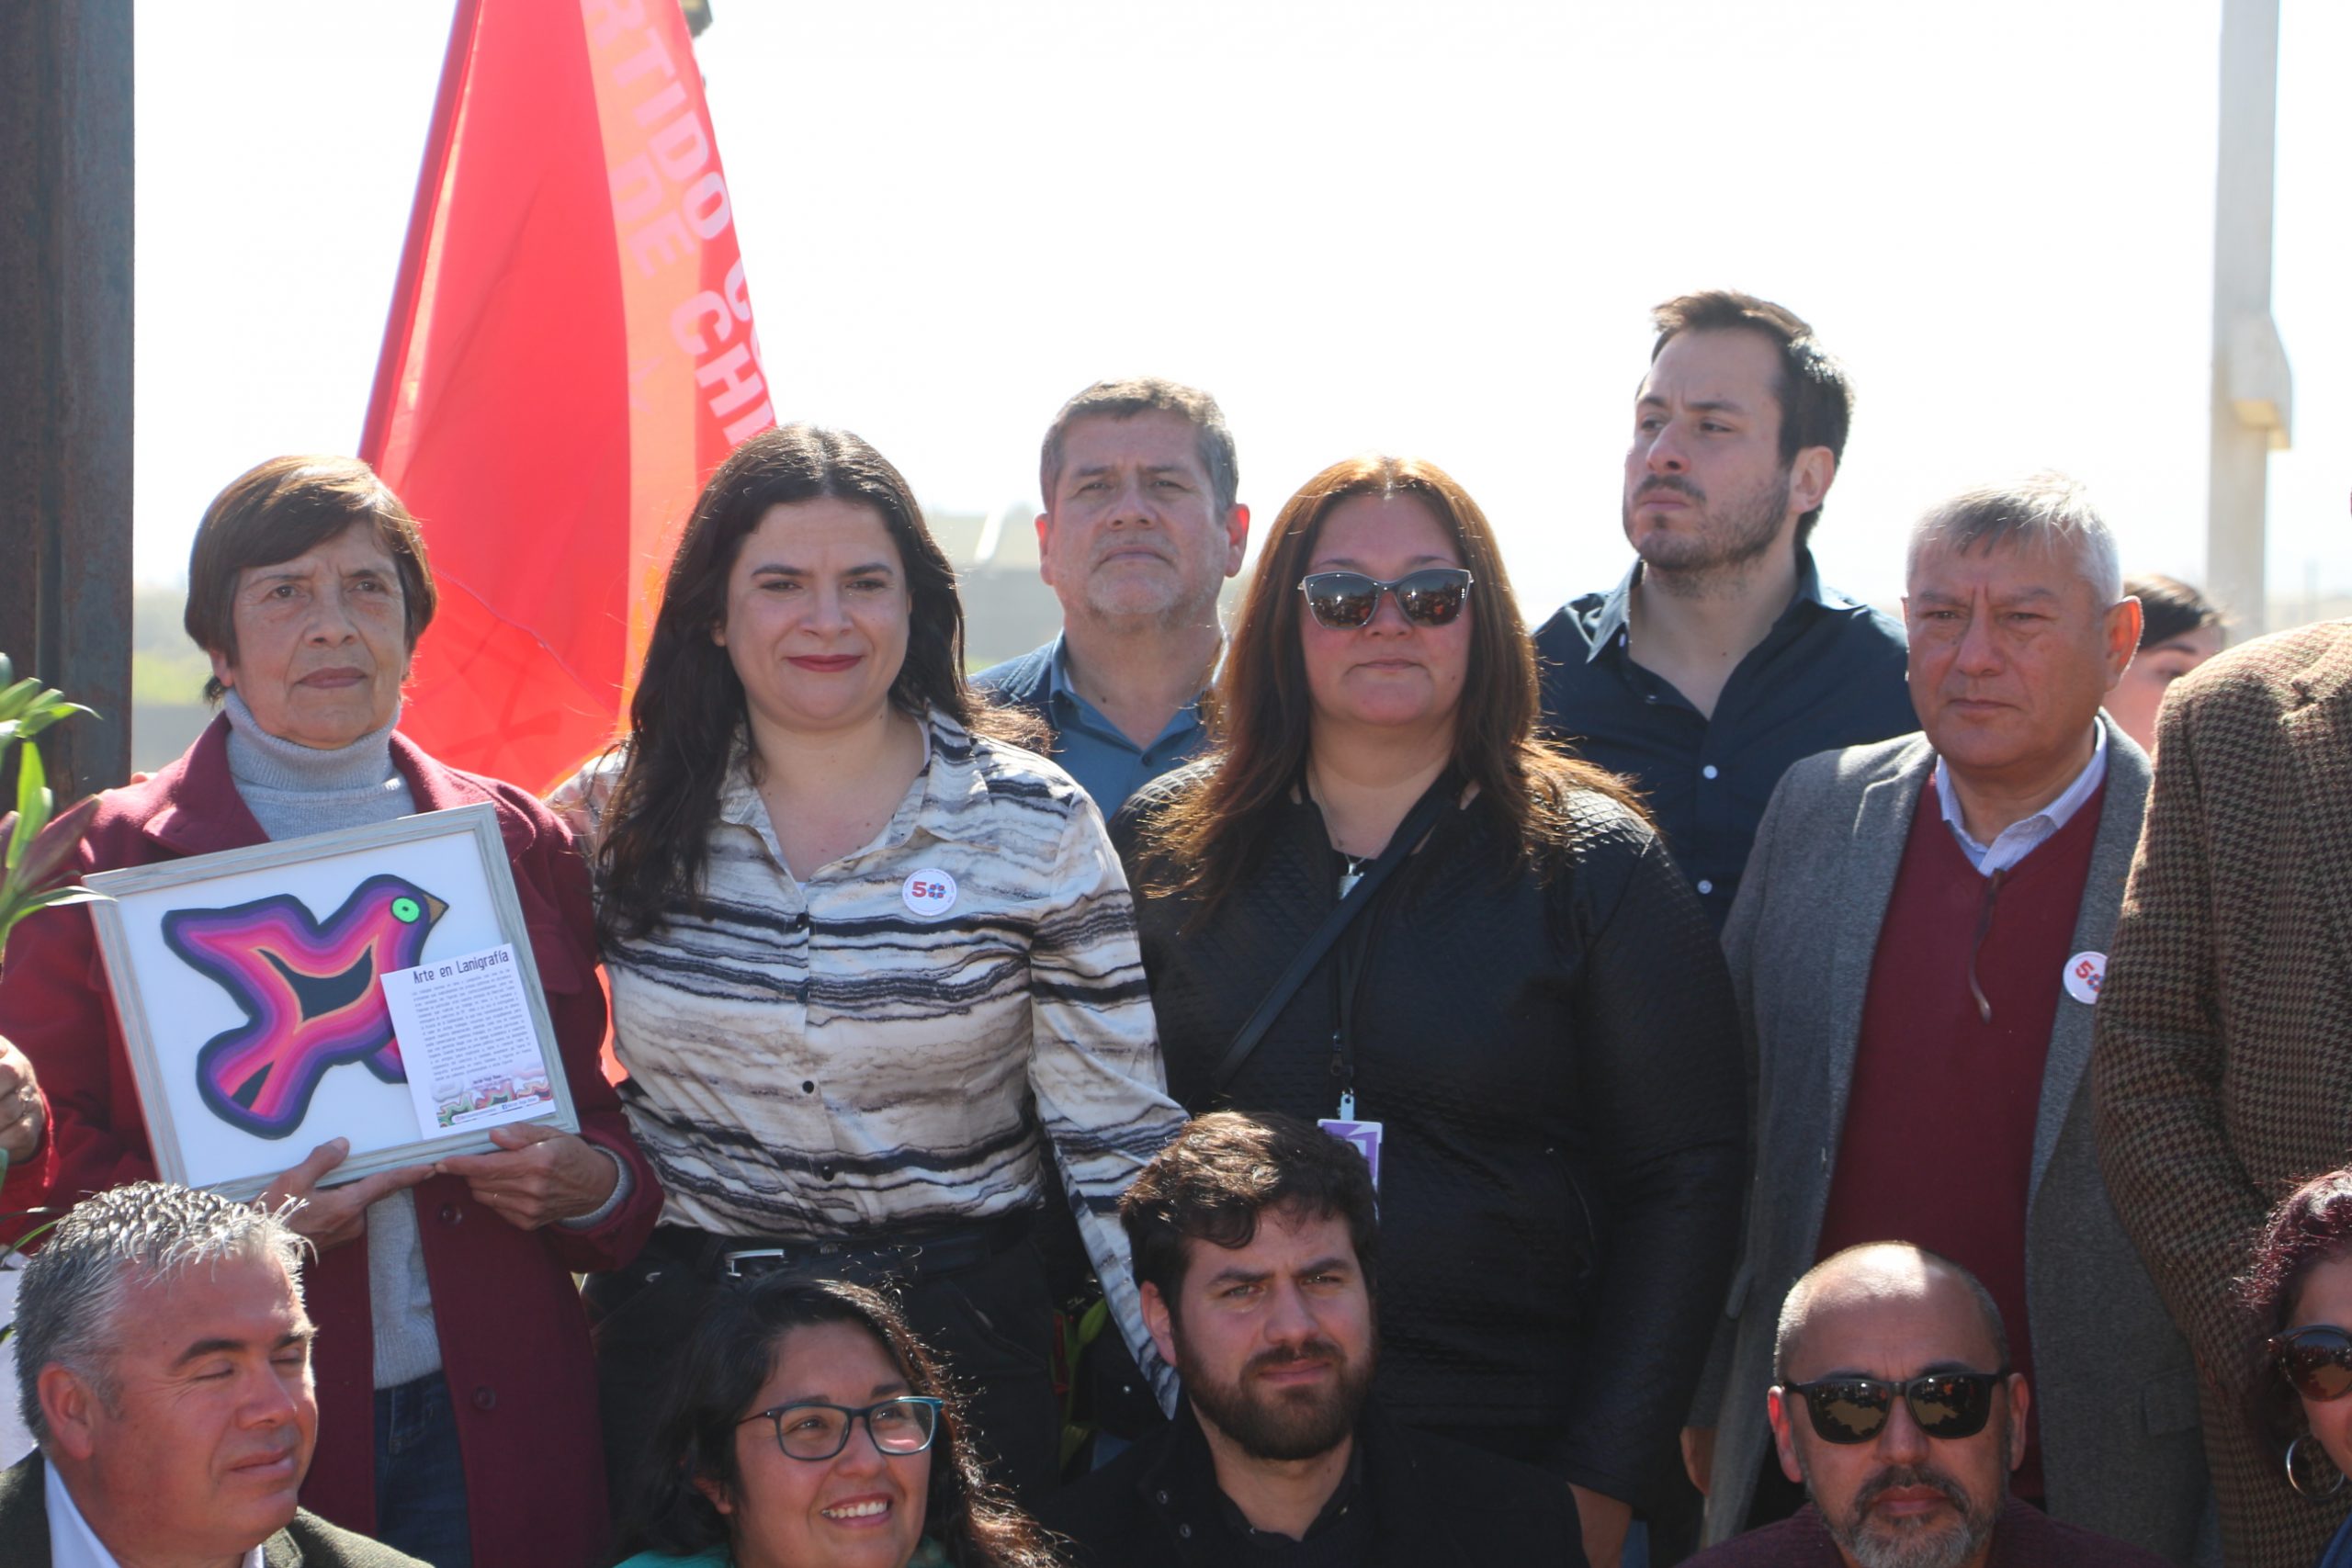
[1256,1248]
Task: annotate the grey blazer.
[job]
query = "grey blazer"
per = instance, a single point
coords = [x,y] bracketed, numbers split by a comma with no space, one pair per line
[2117,1389]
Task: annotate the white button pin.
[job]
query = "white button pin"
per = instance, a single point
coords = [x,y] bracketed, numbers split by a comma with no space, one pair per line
[929,893]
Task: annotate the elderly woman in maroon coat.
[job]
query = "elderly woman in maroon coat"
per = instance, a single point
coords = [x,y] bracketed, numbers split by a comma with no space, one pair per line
[456,1392]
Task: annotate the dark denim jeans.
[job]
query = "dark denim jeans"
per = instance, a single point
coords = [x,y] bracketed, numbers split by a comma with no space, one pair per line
[419,1478]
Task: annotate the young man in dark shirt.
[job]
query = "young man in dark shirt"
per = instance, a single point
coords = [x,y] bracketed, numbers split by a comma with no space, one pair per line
[1255,1246]
[1720,658]
[1895,1406]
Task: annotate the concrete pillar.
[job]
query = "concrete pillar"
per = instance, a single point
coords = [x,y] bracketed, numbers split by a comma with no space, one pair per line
[2253,392]
[66,300]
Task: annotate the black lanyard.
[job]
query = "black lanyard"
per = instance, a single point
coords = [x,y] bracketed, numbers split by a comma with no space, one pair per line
[1411,831]
[1347,984]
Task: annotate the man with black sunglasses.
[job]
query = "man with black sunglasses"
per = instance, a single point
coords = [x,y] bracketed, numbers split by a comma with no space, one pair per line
[1894,1403]
[1916,953]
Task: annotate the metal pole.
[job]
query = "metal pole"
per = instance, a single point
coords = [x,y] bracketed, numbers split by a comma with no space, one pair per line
[2253,409]
[66,182]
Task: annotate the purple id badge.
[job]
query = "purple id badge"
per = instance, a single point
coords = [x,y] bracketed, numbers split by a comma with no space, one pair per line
[1365,1135]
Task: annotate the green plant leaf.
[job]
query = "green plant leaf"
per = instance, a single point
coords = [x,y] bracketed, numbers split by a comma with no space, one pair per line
[23,1242]
[54,844]
[47,713]
[59,897]
[18,904]
[32,805]
[33,848]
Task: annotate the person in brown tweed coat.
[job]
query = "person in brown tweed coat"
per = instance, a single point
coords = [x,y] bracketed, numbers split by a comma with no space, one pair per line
[2222,1072]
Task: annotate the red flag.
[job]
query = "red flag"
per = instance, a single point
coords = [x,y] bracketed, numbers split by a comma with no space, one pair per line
[569,353]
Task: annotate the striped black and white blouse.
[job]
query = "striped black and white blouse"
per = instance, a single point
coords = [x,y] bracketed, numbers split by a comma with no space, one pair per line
[900,1040]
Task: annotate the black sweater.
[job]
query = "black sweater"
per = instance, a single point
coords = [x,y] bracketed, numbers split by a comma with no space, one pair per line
[1433,1503]
[1556,1061]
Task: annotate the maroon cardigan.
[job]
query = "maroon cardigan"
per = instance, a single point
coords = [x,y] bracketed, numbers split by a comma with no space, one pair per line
[513,1337]
[2024,1537]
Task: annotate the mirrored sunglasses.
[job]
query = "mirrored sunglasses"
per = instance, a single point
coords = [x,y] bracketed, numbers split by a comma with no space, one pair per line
[1854,1410]
[1346,600]
[2316,1359]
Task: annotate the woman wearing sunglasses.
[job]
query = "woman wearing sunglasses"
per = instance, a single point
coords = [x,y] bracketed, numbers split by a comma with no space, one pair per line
[809,1427]
[2300,1290]
[1524,1016]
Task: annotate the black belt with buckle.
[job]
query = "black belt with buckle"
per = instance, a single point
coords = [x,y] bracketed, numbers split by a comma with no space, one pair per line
[734,1259]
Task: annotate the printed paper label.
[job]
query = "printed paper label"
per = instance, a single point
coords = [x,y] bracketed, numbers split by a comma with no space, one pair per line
[466,1036]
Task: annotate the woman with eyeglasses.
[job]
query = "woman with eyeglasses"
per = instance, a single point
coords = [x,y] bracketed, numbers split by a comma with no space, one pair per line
[2299,1291]
[809,1427]
[1524,1016]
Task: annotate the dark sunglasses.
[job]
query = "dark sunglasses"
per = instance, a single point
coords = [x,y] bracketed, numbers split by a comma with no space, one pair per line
[2316,1358]
[1854,1410]
[1346,600]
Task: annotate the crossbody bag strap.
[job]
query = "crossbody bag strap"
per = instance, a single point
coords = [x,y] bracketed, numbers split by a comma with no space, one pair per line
[1411,831]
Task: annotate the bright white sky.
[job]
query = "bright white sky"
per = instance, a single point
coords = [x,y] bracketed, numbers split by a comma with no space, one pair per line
[1361,223]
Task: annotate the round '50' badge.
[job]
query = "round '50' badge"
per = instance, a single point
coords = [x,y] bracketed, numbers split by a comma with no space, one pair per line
[929,893]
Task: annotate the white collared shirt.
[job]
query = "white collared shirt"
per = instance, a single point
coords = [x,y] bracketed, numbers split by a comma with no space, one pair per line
[2021,839]
[72,1543]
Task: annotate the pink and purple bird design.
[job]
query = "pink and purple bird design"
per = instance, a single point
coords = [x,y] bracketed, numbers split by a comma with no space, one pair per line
[308,990]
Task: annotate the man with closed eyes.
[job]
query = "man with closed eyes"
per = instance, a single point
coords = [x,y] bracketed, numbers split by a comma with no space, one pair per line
[163,1366]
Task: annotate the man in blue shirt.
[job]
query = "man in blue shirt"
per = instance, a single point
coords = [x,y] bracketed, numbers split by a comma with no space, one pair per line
[1720,658]
[1140,530]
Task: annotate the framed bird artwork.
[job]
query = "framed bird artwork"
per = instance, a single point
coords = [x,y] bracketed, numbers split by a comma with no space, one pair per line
[375,984]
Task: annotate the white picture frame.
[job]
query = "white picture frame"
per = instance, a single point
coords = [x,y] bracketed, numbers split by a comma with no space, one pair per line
[250,1046]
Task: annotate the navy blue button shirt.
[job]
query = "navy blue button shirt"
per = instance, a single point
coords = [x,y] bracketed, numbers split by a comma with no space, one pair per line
[1089,747]
[1828,674]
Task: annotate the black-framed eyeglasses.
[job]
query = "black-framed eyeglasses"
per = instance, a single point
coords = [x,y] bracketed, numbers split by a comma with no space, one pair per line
[815,1431]
[1346,600]
[1950,1405]
[2315,1359]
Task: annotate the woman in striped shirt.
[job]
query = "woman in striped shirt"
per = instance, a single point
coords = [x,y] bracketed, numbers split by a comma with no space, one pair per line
[870,966]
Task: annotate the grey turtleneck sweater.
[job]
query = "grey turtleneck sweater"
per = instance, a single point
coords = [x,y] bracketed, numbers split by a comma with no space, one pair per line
[293,791]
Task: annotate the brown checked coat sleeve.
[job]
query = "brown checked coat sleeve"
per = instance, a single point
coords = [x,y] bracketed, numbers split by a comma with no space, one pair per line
[2222,1074]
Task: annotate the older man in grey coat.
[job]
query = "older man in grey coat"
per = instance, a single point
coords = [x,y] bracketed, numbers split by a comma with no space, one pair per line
[1917,948]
